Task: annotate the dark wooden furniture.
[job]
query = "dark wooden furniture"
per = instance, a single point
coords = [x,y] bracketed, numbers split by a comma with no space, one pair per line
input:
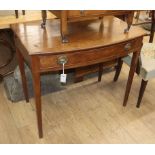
[82,71]
[67,16]
[16,13]
[120,63]
[43,50]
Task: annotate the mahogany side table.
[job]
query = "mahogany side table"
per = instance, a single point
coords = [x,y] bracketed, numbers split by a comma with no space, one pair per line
[43,50]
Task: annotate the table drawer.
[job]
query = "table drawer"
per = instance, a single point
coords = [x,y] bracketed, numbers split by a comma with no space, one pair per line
[97,12]
[75,13]
[80,13]
[87,57]
[106,12]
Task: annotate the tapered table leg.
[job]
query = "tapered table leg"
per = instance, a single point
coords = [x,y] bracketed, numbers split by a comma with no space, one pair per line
[64,26]
[44,17]
[141,92]
[16,12]
[100,72]
[130,77]
[23,12]
[23,76]
[37,96]
[129,19]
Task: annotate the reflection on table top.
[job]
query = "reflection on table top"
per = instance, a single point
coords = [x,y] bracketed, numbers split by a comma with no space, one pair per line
[82,35]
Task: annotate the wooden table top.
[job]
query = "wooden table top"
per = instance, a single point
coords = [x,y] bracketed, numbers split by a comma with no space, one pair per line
[82,35]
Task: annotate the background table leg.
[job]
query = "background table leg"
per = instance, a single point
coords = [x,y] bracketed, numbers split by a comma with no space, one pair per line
[44,17]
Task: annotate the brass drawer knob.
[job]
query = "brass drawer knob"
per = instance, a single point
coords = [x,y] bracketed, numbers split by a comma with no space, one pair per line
[127,47]
[62,60]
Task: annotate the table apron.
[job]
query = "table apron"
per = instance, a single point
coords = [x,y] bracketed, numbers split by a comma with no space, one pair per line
[88,57]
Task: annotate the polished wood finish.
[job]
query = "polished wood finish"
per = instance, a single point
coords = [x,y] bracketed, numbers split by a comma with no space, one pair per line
[110,34]
[16,13]
[37,92]
[118,69]
[67,16]
[131,74]
[141,92]
[44,17]
[89,57]
[43,49]
[100,72]
[22,70]
[137,14]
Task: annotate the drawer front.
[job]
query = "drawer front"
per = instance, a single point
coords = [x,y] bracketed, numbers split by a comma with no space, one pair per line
[105,12]
[79,13]
[97,12]
[75,13]
[87,57]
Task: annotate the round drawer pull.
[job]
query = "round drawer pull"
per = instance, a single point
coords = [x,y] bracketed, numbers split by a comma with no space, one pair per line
[62,60]
[127,47]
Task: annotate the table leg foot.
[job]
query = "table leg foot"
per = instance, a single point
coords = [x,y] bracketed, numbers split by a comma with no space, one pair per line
[1,77]
[127,29]
[43,25]
[64,39]
[100,72]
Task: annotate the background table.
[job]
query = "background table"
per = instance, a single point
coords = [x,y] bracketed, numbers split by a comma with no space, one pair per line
[67,16]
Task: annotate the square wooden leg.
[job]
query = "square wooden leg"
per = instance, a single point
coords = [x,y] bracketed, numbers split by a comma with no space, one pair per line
[131,75]
[23,76]
[37,94]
